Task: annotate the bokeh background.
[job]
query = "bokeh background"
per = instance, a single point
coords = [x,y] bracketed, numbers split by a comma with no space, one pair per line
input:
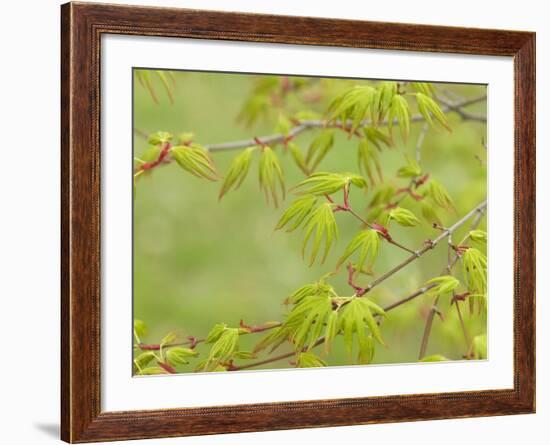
[200,261]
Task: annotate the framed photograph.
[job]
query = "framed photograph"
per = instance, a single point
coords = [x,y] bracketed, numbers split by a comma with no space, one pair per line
[275,222]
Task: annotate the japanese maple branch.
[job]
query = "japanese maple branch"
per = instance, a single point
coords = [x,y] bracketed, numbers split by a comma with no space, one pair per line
[193,341]
[457,107]
[479,212]
[320,123]
[434,310]
[321,340]
[430,244]
[384,233]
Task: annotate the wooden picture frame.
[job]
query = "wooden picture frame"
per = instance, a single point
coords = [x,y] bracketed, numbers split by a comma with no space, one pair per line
[82,26]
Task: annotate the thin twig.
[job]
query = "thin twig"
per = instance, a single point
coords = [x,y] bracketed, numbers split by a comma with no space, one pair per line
[458,109]
[320,341]
[478,211]
[430,244]
[410,297]
[428,329]
[433,309]
[347,208]
[420,141]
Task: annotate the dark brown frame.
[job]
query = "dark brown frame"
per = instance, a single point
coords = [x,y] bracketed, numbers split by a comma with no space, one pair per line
[81,28]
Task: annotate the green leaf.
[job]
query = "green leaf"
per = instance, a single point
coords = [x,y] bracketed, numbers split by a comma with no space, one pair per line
[309,360]
[313,312]
[382,100]
[474,266]
[366,349]
[377,137]
[166,84]
[305,322]
[368,244]
[383,194]
[185,138]
[399,111]
[439,195]
[168,338]
[331,330]
[140,329]
[357,321]
[271,176]
[323,183]
[478,350]
[434,358]
[369,161]
[319,148]
[244,355]
[160,137]
[298,158]
[224,347]
[429,213]
[283,125]
[478,237]
[144,359]
[178,355]
[194,159]
[237,172]
[353,104]
[430,110]
[151,154]
[443,285]
[479,301]
[403,217]
[308,290]
[274,338]
[321,227]
[411,170]
[144,78]
[424,88]
[216,332]
[254,108]
[297,213]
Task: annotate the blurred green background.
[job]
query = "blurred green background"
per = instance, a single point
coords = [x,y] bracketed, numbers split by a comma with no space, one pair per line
[199,261]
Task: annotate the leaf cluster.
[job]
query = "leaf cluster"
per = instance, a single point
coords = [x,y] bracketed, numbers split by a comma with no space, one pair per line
[403,217]
[442,285]
[367,243]
[195,159]
[166,78]
[474,269]
[238,170]
[318,222]
[271,176]
[325,183]
[431,111]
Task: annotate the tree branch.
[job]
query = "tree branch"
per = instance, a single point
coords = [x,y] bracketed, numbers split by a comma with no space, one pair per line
[430,244]
[275,358]
[193,341]
[478,211]
[457,107]
[428,328]
[310,124]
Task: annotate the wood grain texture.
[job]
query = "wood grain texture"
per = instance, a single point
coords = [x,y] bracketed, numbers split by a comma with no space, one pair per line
[81,28]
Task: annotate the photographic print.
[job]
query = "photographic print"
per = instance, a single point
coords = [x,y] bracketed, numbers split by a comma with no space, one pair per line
[297,222]
[305,212]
